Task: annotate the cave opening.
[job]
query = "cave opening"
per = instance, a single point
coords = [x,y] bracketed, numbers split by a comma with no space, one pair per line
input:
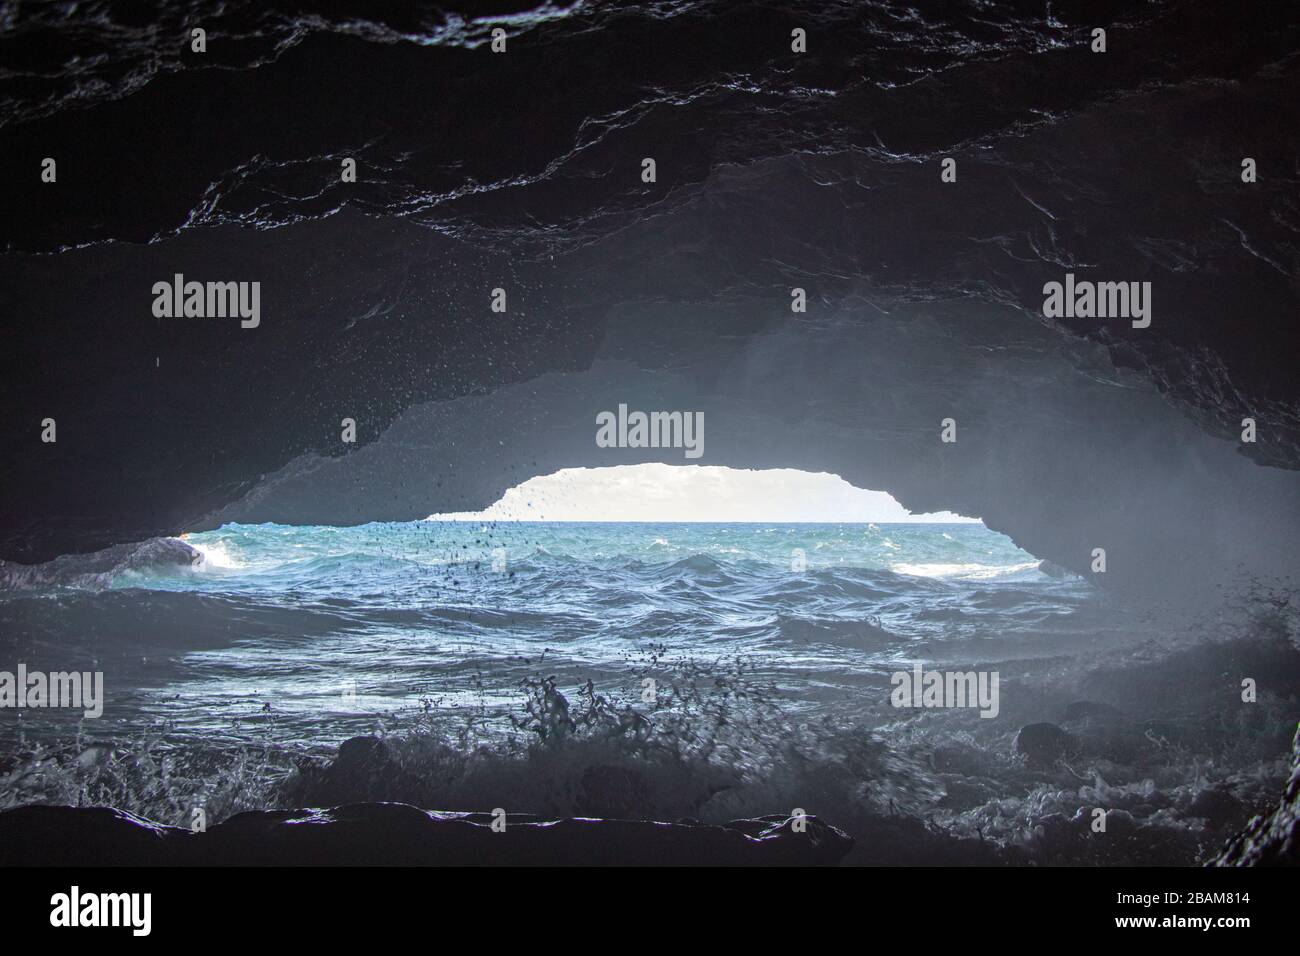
[595,575]
[357,441]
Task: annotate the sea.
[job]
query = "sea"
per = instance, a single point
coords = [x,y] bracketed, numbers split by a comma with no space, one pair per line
[647,670]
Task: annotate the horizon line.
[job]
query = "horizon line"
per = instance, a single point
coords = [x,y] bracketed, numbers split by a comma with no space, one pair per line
[466,520]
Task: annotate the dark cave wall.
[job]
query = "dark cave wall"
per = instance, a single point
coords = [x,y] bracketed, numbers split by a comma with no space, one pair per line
[778,169]
[161,420]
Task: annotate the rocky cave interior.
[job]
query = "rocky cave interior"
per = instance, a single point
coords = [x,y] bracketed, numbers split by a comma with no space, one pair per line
[775,172]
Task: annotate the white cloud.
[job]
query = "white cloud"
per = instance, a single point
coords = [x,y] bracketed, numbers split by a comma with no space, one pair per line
[656,492]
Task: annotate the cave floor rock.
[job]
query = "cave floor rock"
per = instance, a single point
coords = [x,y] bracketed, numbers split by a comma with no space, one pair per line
[396,834]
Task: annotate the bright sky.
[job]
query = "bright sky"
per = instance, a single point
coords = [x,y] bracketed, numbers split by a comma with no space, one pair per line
[657,492]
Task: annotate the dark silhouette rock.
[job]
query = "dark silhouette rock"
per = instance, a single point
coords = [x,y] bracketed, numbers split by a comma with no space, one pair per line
[1044,744]
[397,834]
[69,836]
[363,758]
[1106,733]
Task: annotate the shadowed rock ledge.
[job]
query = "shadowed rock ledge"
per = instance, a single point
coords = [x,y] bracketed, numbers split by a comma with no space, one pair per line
[397,834]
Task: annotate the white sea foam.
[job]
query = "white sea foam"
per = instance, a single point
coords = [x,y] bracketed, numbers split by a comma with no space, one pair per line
[969,572]
[215,554]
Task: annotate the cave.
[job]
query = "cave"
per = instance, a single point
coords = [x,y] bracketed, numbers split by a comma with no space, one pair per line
[955,253]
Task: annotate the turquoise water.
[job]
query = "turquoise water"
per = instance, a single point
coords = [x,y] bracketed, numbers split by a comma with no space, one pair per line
[321,632]
[652,671]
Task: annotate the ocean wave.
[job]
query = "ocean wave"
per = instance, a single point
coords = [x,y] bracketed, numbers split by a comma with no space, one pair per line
[412,612]
[965,572]
[217,555]
[866,634]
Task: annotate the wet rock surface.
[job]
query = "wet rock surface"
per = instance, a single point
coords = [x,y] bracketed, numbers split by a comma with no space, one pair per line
[97,570]
[1043,744]
[1271,839]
